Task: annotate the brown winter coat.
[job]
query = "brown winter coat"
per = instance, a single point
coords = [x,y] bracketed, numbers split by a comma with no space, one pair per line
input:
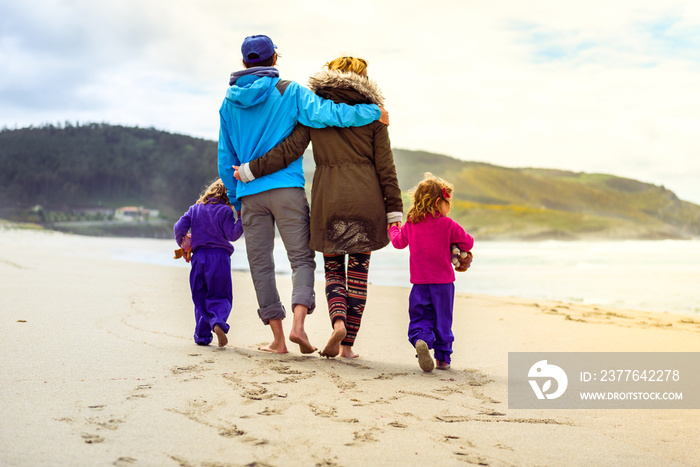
[355,183]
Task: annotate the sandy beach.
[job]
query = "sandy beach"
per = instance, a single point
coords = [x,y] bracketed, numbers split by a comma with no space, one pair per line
[98,367]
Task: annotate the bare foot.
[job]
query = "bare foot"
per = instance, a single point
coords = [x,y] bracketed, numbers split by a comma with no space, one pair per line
[278,345]
[220,336]
[302,340]
[274,349]
[297,334]
[333,346]
[347,352]
[424,359]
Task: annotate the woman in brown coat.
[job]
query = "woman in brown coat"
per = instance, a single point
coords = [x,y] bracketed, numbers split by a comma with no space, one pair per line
[355,194]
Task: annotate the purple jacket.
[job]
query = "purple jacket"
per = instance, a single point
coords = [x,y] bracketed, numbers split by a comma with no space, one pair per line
[212,226]
[429,242]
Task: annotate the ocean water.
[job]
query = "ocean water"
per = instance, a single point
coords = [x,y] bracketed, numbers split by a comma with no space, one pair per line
[661,276]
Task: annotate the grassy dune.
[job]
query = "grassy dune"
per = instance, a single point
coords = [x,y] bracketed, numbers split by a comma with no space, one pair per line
[501,203]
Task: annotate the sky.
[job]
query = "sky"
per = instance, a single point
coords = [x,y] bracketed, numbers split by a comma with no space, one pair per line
[587,86]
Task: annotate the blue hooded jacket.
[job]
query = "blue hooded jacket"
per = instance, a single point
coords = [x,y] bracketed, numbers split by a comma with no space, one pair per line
[259,112]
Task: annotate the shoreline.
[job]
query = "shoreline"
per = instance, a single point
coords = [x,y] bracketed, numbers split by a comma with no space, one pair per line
[578,273]
[125,229]
[99,363]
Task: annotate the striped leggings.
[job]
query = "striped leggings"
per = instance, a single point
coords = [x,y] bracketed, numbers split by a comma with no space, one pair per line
[346,293]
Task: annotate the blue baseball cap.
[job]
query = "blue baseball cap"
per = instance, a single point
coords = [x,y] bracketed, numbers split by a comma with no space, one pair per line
[260,45]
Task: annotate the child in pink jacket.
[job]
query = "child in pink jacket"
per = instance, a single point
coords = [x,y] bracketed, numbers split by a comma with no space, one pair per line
[429,233]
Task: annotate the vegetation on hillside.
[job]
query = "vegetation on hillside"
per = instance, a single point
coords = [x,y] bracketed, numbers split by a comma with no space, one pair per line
[78,166]
[499,202]
[66,168]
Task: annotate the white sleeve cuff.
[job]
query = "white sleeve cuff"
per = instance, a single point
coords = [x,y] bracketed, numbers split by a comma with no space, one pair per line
[392,217]
[245,173]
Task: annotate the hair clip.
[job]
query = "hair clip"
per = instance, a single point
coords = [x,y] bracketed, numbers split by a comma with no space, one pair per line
[445,194]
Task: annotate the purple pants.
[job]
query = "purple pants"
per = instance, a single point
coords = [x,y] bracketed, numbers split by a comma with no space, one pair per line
[212,293]
[430,310]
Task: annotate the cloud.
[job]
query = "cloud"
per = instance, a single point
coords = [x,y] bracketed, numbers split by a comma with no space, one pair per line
[592,86]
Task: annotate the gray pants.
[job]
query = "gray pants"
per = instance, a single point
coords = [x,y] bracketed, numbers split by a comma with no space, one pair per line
[289,209]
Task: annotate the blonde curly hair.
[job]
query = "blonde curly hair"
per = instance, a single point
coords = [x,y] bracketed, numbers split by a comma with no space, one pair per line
[426,196]
[215,193]
[348,64]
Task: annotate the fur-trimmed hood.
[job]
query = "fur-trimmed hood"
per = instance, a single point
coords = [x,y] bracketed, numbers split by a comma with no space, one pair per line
[334,82]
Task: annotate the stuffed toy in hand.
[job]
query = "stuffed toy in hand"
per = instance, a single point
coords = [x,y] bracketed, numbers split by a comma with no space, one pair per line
[461,259]
[185,250]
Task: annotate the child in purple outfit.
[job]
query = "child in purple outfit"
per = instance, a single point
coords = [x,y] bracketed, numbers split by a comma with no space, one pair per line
[213,227]
[428,233]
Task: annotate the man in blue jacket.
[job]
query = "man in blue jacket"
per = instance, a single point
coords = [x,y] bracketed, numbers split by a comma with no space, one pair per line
[259,111]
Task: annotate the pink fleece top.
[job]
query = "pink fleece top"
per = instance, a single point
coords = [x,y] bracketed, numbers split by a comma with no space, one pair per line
[429,243]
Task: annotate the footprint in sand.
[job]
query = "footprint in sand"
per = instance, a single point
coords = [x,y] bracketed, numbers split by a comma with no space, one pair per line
[341,383]
[285,370]
[503,446]
[258,393]
[231,432]
[327,463]
[471,458]
[475,378]
[383,376]
[180,461]
[122,461]
[199,412]
[232,378]
[140,392]
[323,411]
[256,442]
[484,398]
[295,378]
[183,369]
[367,436]
[448,390]
[112,424]
[268,411]
[92,439]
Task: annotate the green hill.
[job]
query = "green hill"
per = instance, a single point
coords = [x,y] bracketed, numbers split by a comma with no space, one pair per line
[73,167]
[499,202]
[68,169]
